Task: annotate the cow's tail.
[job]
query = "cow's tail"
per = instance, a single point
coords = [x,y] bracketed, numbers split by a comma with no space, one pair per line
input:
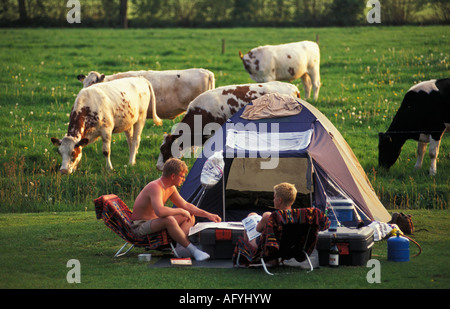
[211,81]
[152,104]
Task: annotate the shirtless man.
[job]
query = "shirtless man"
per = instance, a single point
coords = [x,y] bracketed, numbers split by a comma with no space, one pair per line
[150,215]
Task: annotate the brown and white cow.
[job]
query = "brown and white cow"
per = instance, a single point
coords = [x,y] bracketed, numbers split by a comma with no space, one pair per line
[286,62]
[216,106]
[104,109]
[174,89]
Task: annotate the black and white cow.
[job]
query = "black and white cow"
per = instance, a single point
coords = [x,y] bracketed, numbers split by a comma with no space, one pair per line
[424,116]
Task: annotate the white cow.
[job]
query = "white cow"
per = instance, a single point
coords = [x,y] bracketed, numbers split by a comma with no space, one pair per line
[174,89]
[216,106]
[286,62]
[104,109]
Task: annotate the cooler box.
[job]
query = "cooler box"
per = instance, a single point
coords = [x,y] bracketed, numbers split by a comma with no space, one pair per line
[355,245]
[218,242]
[345,212]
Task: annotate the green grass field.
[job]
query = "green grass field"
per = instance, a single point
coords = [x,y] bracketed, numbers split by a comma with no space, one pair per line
[36,249]
[365,73]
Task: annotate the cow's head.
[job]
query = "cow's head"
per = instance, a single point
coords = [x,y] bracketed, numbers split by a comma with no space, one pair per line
[165,151]
[70,150]
[170,148]
[388,151]
[92,78]
[246,61]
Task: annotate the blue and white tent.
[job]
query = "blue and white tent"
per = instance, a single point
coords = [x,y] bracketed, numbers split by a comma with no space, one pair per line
[303,148]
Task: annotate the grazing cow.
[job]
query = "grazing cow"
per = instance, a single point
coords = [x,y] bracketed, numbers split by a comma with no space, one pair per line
[174,89]
[424,116]
[216,106]
[104,109]
[286,62]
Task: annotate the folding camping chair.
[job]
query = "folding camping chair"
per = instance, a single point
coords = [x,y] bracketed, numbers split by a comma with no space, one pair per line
[116,215]
[288,234]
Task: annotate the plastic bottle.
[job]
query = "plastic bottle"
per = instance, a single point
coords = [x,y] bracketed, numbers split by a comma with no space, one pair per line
[333,225]
[334,253]
[331,215]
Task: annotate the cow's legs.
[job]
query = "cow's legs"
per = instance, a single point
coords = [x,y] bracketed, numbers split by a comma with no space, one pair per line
[307,85]
[106,148]
[315,78]
[136,140]
[434,152]
[129,135]
[421,148]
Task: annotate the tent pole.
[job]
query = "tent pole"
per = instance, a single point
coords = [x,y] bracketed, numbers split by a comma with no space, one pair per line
[312,180]
[223,198]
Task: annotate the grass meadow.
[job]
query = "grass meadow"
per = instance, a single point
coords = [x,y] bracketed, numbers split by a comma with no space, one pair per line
[365,72]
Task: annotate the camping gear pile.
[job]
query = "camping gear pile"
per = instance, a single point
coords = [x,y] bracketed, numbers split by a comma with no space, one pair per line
[253,152]
[300,146]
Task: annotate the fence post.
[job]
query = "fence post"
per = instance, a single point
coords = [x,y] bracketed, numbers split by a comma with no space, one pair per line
[223,46]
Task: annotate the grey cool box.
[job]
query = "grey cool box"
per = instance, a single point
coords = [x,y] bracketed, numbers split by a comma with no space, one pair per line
[355,245]
[219,243]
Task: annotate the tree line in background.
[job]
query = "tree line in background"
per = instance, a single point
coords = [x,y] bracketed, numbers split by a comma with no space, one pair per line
[220,13]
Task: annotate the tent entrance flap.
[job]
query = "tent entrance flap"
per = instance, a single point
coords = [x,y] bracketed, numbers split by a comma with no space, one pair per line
[250,187]
[329,191]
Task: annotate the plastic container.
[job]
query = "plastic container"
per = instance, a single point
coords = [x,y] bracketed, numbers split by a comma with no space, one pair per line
[145,257]
[219,243]
[355,245]
[345,211]
[398,249]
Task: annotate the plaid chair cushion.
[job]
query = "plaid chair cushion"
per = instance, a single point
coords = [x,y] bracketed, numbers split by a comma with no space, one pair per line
[116,215]
[312,221]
